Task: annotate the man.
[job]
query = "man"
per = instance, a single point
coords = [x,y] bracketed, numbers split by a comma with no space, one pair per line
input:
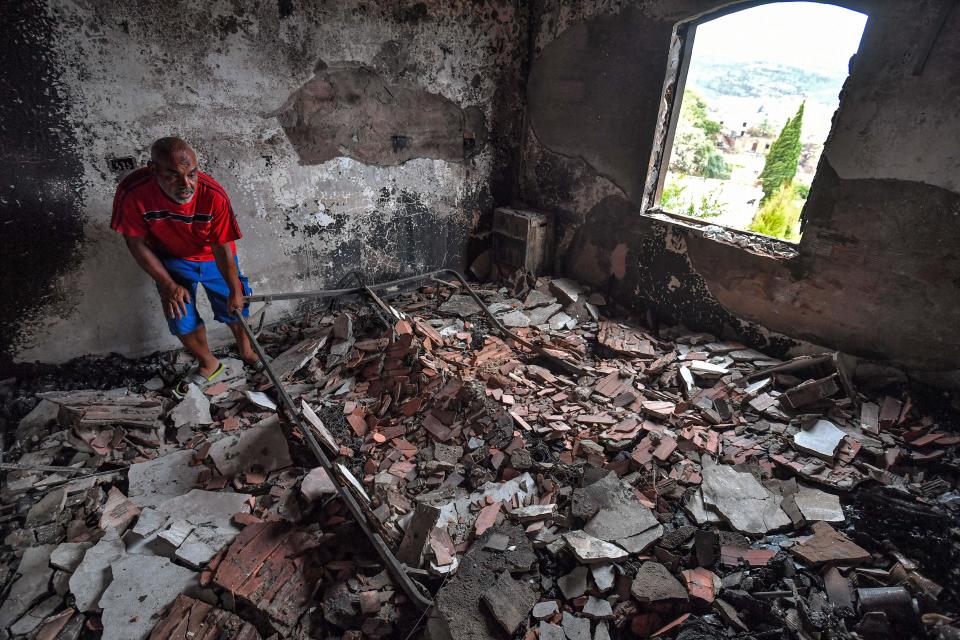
[180,228]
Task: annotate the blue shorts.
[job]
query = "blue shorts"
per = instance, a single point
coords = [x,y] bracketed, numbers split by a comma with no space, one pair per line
[190,273]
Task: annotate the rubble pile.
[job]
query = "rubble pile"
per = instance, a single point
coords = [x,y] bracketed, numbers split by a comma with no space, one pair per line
[582,478]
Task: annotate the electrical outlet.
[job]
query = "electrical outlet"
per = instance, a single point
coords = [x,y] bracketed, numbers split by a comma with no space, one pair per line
[120,165]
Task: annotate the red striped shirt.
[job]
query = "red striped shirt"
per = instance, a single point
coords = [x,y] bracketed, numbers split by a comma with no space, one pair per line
[142,209]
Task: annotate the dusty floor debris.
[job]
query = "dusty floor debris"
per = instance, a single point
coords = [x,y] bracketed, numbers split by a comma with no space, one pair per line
[619,483]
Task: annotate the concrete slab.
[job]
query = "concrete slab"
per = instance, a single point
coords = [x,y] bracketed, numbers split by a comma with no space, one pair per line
[193,410]
[534,512]
[655,583]
[142,587]
[46,509]
[551,631]
[31,586]
[817,505]
[537,298]
[591,550]
[176,532]
[740,498]
[199,506]
[566,290]
[416,532]
[515,319]
[32,619]
[460,305]
[68,555]
[262,447]
[317,484]
[152,482]
[603,576]
[92,576]
[561,321]
[149,521]
[497,542]
[820,438]
[541,315]
[574,584]
[575,628]
[597,609]
[510,602]
[36,424]
[543,610]
[296,357]
[621,519]
[204,541]
[642,541]
[698,511]
[194,526]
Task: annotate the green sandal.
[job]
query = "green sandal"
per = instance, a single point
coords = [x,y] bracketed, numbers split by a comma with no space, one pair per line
[180,389]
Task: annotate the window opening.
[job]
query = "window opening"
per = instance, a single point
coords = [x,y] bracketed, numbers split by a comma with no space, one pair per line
[778,69]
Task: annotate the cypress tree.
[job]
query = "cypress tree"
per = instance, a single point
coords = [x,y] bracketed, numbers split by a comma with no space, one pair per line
[781,164]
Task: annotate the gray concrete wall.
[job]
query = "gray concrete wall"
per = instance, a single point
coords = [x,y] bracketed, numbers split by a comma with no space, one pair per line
[877,273]
[349,135]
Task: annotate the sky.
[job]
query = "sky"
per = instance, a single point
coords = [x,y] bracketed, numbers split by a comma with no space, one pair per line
[809,35]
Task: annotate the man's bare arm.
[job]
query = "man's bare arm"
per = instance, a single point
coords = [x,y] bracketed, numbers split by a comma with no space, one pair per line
[228,269]
[174,297]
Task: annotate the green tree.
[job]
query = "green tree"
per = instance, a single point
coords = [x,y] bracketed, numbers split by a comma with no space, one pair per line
[779,216]
[781,164]
[694,146]
[672,197]
[695,109]
[674,200]
[716,167]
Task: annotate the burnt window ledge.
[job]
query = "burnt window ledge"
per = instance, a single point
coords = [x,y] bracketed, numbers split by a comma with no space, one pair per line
[755,243]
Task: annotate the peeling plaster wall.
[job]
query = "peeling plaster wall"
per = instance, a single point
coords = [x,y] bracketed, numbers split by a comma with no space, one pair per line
[878,269]
[397,197]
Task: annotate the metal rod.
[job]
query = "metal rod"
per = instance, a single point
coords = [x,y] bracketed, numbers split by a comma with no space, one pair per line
[16,466]
[394,566]
[336,293]
[369,289]
[800,362]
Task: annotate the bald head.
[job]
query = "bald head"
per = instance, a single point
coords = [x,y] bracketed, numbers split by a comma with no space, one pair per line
[174,163]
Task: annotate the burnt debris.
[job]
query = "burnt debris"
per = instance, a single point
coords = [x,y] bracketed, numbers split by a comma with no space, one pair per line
[575,476]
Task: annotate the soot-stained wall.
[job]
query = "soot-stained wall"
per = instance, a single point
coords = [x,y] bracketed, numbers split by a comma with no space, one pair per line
[350,135]
[877,272]
[42,225]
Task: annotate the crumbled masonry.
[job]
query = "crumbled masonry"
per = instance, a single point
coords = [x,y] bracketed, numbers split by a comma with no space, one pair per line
[637,484]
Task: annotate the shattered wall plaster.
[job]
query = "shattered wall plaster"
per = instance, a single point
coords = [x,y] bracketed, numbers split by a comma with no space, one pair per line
[312,202]
[875,274]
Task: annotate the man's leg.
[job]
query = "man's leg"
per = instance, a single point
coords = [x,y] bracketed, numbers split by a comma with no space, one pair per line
[244,348]
[196,343]
[217,292]
[189,328]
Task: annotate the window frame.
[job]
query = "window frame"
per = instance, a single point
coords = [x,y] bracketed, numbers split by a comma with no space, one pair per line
[671,101]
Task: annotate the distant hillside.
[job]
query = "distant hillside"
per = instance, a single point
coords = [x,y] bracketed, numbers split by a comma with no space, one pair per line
[763,80]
